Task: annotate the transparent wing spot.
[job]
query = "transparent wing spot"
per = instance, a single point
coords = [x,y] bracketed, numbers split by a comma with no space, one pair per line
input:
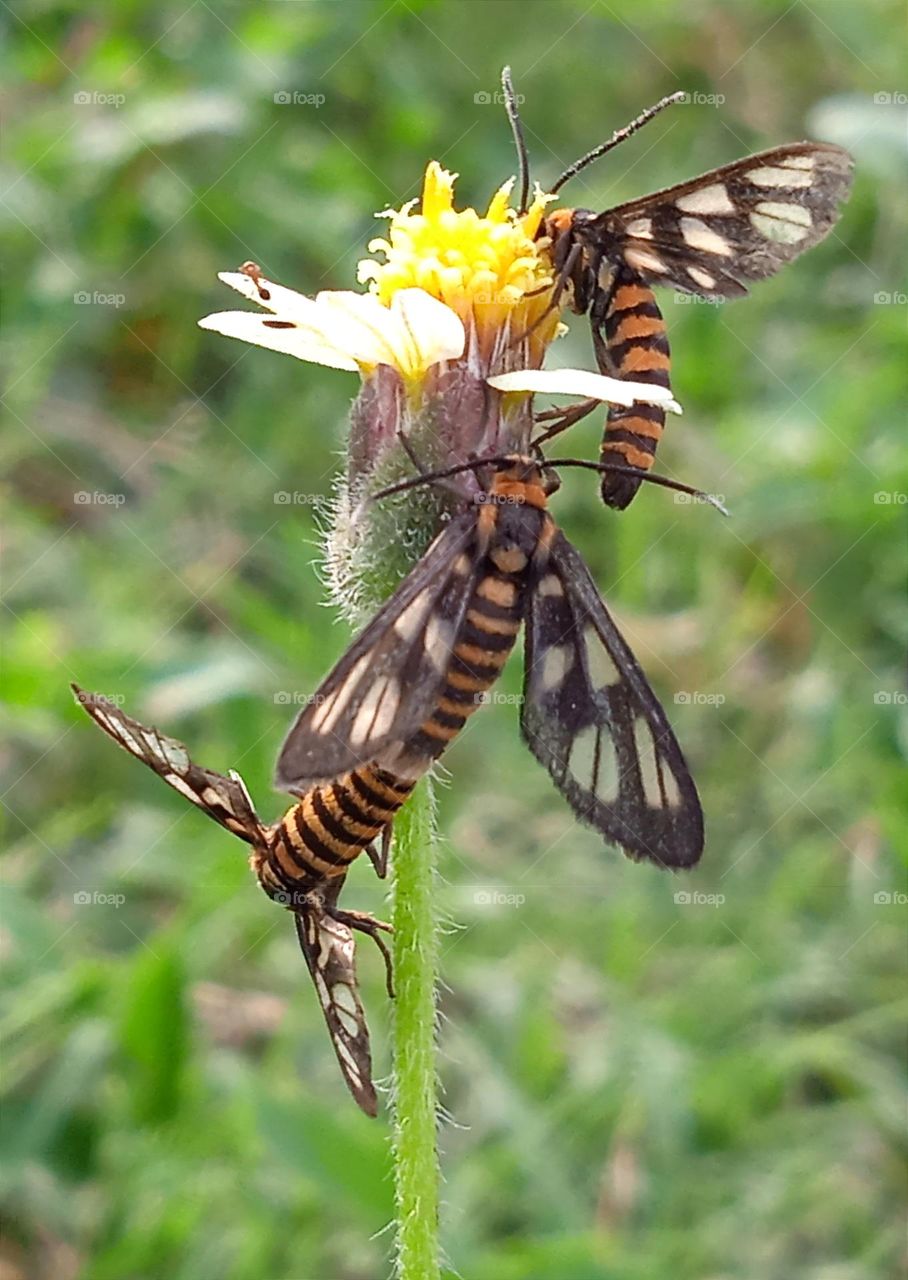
[701,277]
[779,230]
[767,175]
[599,661]
[181,785]
[672,790]
[640,228]
[348,1061]
[331,710]
[213,797]
[650,769]
[438,640]
[698,235]
[379,707]
[551,586]
[582,759]
[712,200]
[644,260]
[556,663]
[408,624]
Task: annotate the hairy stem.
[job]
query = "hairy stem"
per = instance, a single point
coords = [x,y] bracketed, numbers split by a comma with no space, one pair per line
[415,977]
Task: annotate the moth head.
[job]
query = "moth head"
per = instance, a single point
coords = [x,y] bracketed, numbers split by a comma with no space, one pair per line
[561,228]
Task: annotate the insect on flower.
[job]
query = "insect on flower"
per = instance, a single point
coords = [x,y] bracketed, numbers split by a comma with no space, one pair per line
[458,293]
[407,685]
[455,298]
[300,861]
[708,236]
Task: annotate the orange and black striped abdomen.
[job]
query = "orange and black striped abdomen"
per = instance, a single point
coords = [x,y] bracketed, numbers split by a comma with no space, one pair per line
[637,349]
[487,636]
[329,828]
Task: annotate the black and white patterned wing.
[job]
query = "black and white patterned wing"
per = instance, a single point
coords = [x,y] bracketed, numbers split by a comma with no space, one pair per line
[330,953]
[738,223]
[385,685]
[224,799]
[591,718]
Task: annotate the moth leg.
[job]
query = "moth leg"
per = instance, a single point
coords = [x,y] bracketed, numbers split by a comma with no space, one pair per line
[380,860]
[561,419]
[411,453]
[375,858]
[557,290]
[386,846]
[369,925]
[441,482]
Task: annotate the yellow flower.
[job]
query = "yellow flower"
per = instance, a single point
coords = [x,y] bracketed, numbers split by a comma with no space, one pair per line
[461,302]
[488,269]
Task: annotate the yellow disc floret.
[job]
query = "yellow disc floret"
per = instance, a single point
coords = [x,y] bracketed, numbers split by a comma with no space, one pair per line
[489,269]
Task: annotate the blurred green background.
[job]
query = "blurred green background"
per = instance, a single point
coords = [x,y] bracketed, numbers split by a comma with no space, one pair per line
[643,1086]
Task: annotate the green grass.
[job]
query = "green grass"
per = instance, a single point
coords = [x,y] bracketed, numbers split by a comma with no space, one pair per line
[642,1087]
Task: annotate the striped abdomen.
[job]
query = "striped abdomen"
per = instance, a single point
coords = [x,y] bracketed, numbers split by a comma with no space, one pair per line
[328,828]
[490,627]
[637,349]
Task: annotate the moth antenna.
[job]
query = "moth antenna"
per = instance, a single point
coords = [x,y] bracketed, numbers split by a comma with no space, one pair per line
[608,468]
[523,164]
[619,136]
[554,464]
[430,477]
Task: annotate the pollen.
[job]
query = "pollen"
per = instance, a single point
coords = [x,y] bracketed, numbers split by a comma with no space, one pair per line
[488,268]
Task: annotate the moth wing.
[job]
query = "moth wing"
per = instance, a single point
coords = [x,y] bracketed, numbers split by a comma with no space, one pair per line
[738,223]
[385,685]
[226,800]
[330,952]
[590,717]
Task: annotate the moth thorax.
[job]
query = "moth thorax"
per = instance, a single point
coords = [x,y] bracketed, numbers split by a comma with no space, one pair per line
[520,484]
[515,492]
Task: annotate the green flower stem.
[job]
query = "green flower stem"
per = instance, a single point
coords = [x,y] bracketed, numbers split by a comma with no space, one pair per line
[415,980]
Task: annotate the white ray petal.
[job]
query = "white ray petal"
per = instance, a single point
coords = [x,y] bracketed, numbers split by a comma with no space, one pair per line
[416,331]
[582,382]
[430,330]
[281,300]
[343,329]
[301,341]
